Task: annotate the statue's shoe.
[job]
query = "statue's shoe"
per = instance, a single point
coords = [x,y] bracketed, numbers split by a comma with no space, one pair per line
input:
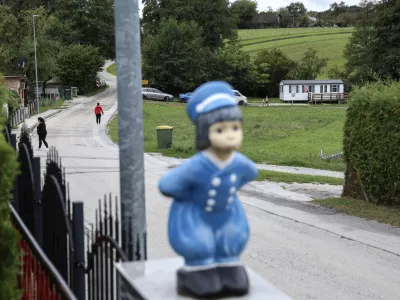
[201,283]
[234,280]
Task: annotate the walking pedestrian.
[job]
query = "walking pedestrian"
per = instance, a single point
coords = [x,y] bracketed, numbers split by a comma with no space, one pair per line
[266,101]
[98,110]
[42,133]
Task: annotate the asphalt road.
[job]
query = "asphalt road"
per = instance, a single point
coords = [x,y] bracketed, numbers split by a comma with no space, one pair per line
[306,251]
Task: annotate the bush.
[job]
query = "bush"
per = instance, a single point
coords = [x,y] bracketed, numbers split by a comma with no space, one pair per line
[13,101]
[372,143]
[8,236]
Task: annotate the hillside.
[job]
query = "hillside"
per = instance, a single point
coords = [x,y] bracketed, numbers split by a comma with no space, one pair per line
[329,42]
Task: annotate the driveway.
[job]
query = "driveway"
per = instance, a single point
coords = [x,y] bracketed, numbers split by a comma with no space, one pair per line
[307,251]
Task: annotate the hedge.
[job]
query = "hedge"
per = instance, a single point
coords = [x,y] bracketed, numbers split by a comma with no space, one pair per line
[9,252]
[372,143]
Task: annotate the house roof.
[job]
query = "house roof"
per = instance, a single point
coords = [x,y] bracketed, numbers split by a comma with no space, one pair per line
[14,76]
[300,82]
[54,80]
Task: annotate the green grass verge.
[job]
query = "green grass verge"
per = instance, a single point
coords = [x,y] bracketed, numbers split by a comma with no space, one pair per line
[55,105]
[259,100]
[369,211]
[291,135]
[329,42]
[298,178]
[112,69]
[98,91]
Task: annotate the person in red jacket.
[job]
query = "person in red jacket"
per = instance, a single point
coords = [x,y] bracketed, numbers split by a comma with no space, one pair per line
[98,110]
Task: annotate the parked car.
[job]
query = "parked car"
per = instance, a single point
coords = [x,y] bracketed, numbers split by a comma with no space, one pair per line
[184,97]
[240,99]
[154,94]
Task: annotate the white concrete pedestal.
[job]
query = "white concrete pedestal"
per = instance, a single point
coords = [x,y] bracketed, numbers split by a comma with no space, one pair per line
[156,280]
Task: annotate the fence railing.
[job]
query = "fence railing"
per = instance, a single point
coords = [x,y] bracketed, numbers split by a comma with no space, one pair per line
[38,278]
[52,232]
[19,115]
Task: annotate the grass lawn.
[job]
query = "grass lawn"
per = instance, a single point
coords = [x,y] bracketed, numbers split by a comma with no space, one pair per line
[55,105]
[98,91]
[329,42]
[291,135]
[383,214]
[112,69]
[298,178]
[259,100]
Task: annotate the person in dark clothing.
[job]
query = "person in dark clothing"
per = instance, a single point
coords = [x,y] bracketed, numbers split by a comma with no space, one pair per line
[42,132]
[98,110]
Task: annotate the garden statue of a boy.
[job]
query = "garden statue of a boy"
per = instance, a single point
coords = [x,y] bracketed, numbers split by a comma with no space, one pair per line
[207,224]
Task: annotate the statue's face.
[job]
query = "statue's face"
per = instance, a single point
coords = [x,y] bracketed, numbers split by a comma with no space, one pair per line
[227,135]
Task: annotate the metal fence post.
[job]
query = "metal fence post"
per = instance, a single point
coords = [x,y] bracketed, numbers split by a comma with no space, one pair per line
[38,213]
[79,243]
[130,116]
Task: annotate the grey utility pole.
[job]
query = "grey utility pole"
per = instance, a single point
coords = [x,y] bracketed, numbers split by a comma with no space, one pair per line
[130,129]
[37,84]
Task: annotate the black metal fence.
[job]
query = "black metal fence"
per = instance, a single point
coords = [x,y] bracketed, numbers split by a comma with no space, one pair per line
[52,232]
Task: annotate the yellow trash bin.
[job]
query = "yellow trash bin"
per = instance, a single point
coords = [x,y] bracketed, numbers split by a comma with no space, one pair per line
[164,136]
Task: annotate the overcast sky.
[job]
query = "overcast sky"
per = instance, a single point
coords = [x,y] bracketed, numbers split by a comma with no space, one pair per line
[318,5]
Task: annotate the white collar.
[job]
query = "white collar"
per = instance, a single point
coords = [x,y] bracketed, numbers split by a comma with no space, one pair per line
[221,164]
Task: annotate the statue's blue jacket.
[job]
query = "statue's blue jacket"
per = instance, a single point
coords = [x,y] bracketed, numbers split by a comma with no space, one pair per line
[207,223]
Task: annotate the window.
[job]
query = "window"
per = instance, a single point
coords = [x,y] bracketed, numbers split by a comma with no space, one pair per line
[334,88]
[325,88]
[311,89]
[321,89]
[157,91]
[297,89]
[282,89]
[237,94]
[290,88]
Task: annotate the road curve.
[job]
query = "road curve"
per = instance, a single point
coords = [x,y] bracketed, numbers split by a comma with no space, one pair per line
[314,258]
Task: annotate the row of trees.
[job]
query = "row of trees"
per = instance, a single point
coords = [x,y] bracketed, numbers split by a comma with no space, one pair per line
[74,37]
[297,15]
[182,48]
[372,52]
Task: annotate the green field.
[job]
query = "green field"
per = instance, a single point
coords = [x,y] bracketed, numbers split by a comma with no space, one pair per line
[290,135]
[329,42]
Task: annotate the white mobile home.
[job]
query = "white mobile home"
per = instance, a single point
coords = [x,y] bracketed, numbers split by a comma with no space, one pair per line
[311,90]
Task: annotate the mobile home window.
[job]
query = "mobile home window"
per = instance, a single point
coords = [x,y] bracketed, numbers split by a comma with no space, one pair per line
[325,88]
[290,88]
[297,89]
[321,89]
[334,88]
[282,89]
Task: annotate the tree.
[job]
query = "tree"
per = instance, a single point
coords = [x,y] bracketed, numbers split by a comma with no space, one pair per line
[78,66]
[359,53]
[276,65]
[310,66]
[213,16]
[386,40]
[296,9]
[17,41]
[88,22]
[244,10]
[234,65]
[175,59]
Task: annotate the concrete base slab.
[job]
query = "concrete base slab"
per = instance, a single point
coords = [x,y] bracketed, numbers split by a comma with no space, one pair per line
[156,280]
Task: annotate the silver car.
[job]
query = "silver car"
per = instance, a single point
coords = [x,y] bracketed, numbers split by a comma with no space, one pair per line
[154,94]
